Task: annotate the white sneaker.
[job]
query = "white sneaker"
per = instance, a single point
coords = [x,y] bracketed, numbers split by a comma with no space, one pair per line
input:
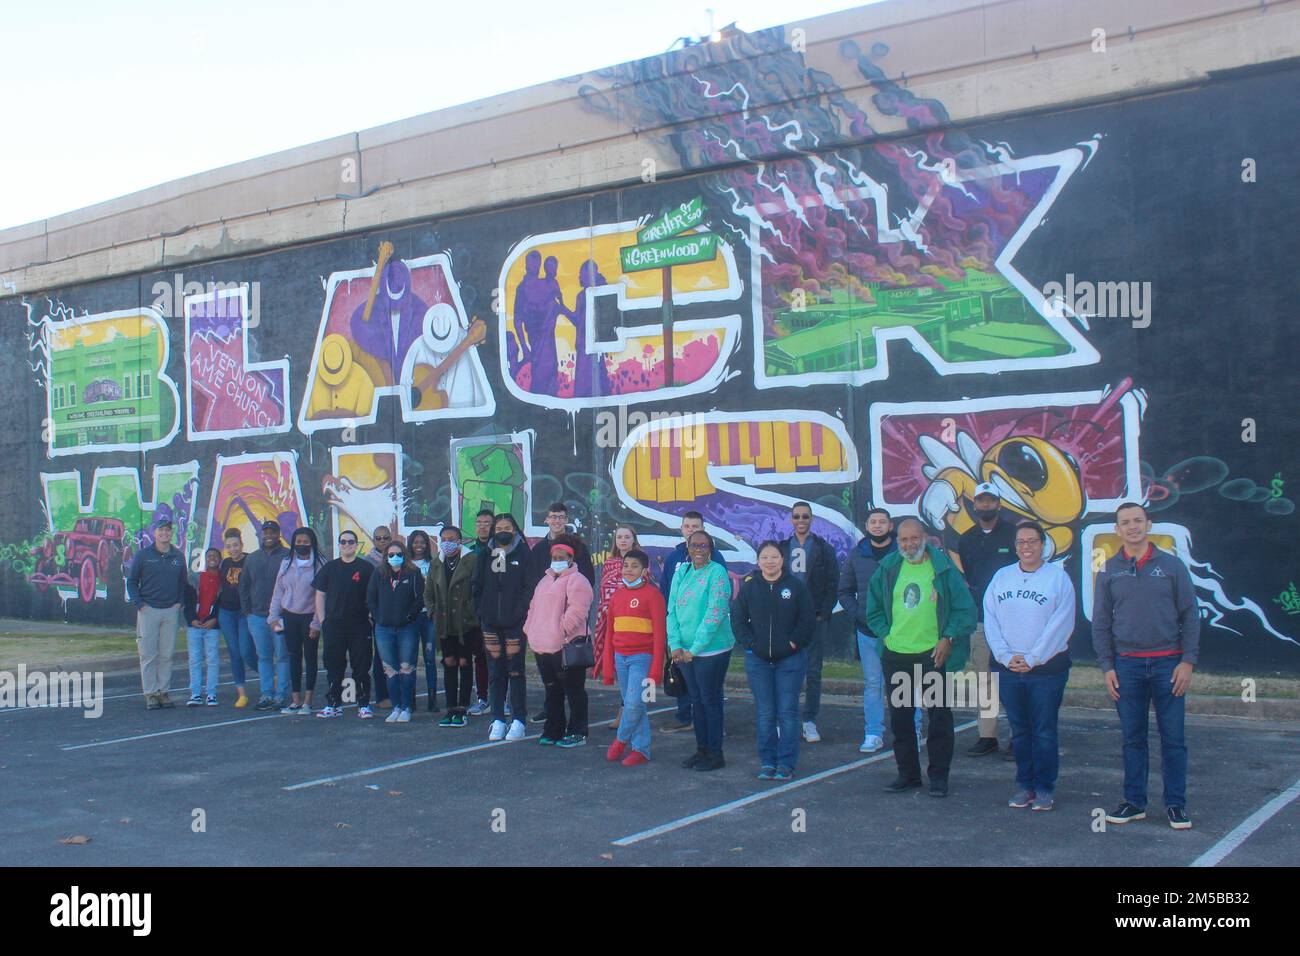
[871,743]
[497,731]
[479,709]
[517,730]
[810,732]
[403,716]
[393,715]
[304,710]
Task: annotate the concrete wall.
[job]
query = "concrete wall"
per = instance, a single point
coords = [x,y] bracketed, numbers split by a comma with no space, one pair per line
[955,241]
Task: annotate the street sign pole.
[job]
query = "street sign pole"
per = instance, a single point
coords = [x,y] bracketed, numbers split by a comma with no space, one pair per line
[668,326]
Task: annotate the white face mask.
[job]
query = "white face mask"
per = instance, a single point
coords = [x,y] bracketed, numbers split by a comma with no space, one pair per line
[559,567]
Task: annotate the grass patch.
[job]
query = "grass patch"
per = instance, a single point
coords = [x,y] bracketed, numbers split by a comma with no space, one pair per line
[24,647]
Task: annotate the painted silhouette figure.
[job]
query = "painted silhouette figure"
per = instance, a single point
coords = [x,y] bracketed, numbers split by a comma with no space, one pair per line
[537,304]
[396,321]
[589,374]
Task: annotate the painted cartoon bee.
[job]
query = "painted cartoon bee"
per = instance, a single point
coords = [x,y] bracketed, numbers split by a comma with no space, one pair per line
[1036,479]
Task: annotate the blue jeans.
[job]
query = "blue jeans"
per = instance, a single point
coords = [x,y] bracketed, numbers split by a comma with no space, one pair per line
[1032,702]
[399,646]
[634,728]
[775,686]
[239,642]
[272,658]
[704,678]
[428,631]
[204,645]
[873,688]
[1143,680]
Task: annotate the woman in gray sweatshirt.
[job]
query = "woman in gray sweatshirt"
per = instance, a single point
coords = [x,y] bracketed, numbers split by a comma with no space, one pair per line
[293,614]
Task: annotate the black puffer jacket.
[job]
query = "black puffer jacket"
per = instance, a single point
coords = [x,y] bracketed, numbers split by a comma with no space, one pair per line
[768,615]
[503,588]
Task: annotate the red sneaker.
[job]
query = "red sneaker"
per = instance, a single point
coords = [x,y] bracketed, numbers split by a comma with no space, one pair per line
[635,759]
[615,750]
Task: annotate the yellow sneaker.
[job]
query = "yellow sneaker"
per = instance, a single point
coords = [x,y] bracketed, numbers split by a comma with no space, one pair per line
[243,701]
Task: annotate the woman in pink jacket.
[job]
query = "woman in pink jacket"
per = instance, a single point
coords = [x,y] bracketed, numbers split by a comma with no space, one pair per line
[556,616]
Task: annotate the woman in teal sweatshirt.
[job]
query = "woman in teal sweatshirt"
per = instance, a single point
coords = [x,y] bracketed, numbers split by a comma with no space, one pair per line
[700,640]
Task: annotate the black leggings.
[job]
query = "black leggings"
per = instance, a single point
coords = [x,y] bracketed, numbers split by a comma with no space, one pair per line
[297,627]
[562,685]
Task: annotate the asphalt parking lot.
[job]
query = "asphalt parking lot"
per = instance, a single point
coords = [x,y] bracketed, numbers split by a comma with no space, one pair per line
[219,787]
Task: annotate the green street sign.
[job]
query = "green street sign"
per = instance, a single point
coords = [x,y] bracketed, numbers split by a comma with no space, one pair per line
[674,221]
[678,251]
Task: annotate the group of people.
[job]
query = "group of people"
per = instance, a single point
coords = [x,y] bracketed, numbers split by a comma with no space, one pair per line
[477,604]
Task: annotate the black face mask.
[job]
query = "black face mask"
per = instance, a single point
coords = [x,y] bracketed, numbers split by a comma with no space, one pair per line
[303,550]
[878,538]
[988,514]
[504,538]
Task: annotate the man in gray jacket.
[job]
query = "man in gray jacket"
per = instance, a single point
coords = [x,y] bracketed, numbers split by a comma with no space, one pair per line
[855,575]
[1146,630]
[256,585]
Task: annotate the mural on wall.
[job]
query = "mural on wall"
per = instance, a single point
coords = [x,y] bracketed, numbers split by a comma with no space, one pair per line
[1053,458]
[395,328]
[563,341]
[227,395]
[493,471]
[89,544]
[249,489]
[788,250]
[722,464]
[364,490]
[105,379]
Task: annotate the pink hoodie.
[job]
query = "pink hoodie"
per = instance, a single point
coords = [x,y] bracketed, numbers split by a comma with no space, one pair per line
[558,612]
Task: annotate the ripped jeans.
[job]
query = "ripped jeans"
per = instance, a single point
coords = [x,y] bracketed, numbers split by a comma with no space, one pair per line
[505,653]
[399,648]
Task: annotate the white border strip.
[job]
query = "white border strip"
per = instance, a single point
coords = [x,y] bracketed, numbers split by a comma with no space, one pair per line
[1242,832]
[756,797]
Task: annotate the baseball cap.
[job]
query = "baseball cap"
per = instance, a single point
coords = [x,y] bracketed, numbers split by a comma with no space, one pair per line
[163,523]
[988,488]
[270,523]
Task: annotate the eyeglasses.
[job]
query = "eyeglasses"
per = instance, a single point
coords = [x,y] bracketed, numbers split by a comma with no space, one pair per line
[346,542]
[1031,543]
[802,517]
[698,546]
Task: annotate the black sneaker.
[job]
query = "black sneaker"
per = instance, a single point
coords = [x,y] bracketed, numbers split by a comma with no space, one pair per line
[939,788]
[1178,818]
[1125,813]
[266,703]
[983,747]
[690,762]
[538,718]
[901,785]
[710,761]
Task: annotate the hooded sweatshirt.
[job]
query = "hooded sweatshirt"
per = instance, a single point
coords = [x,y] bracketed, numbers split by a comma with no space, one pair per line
[396,599]
[558,612]
[293,591]
[1031,614]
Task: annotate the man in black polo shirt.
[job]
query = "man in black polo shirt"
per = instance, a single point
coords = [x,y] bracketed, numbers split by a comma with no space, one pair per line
[984,549]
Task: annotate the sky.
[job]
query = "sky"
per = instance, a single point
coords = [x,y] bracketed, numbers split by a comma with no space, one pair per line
[103,99]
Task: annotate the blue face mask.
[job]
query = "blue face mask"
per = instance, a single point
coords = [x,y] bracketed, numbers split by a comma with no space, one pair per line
[449,548]
[634,584]
[559,567]
[395,560]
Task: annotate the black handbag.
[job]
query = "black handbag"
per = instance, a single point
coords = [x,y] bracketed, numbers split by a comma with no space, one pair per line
[578,653]
[674,685]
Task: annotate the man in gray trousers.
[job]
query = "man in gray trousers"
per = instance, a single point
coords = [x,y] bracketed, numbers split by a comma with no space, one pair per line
[156,586]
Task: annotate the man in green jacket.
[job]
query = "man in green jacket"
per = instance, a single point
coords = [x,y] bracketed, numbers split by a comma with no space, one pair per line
[921,610]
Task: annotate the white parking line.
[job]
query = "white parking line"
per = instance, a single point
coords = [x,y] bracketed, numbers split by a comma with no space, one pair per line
[763,795]
[1216,854]
[321,781]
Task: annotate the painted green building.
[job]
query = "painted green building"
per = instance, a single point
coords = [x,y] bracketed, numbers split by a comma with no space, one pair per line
[975,318]
[108,393]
